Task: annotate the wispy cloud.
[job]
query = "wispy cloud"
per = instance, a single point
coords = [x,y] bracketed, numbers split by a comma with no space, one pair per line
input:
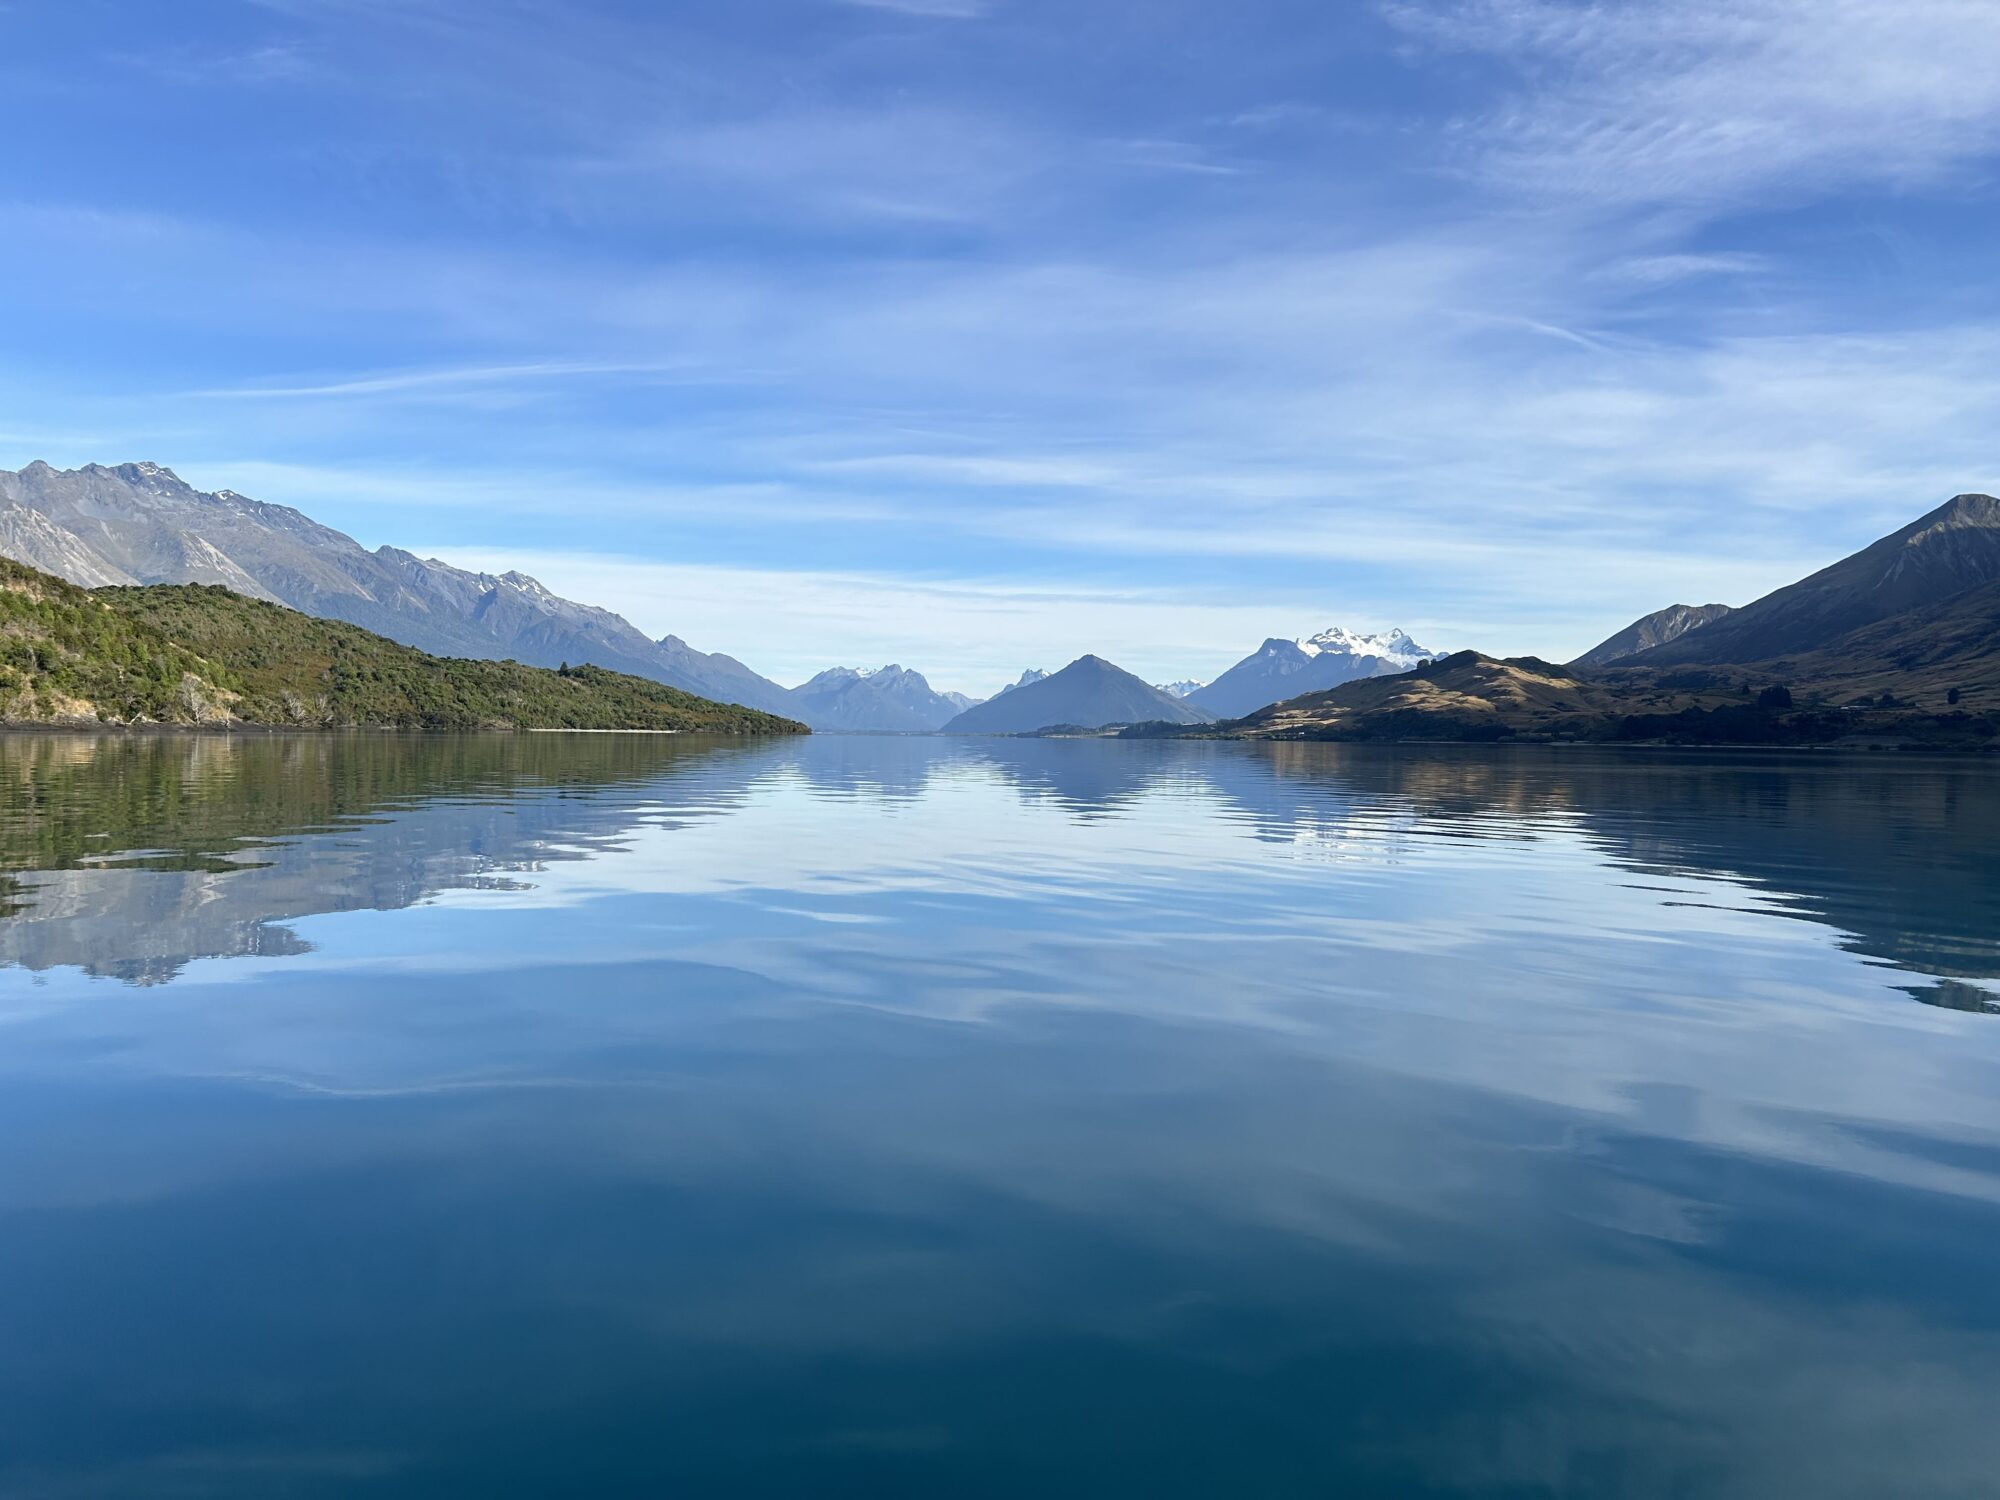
[911,162]
[841,292]
[403,382]
[1010,471]
[1172,156]
[956,10]
[1658,270]
[1709,101]
[254,66]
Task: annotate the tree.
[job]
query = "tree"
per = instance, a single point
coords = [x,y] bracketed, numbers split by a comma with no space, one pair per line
[1776,696]
[1952,697]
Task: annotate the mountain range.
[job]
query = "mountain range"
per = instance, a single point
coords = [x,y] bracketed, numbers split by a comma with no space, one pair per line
[141,523]
[1910,619]
[1899,642]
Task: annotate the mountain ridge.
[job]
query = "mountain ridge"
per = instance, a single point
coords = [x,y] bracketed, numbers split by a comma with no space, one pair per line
[1649,632]
[142,523]
[1942,553]
[1089,693]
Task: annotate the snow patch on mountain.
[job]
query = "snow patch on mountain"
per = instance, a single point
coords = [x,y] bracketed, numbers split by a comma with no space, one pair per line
[1390,646]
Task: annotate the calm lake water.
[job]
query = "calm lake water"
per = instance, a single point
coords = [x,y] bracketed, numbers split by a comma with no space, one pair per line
[605,1116]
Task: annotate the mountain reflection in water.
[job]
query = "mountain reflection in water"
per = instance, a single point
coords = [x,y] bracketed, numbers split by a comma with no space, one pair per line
[1896,855]
[537,1114]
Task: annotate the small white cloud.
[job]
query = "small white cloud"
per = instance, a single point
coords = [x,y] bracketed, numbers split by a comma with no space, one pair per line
[1274,116]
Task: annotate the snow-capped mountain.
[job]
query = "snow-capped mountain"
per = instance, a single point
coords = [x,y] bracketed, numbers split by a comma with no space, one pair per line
[1032,675]
[1393,646]
[1187,687]
[875,700]
[1281,669]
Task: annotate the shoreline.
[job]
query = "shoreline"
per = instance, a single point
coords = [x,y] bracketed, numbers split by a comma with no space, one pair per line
[74,726]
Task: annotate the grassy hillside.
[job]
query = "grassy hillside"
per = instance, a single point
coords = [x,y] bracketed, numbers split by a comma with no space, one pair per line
[195,654]
[1469,697]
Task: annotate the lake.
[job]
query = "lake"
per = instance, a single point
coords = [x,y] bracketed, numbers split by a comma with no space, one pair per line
[607,1116]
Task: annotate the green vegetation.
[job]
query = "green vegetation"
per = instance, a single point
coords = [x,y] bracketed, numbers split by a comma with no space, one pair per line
[208,802]
[201,655]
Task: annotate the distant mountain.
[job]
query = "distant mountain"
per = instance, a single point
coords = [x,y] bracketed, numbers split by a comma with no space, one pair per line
[140,523]
[203,654]
[1648,631]
[1032,675]
[1090,692]
[890,700]
[1951,550]
[1182,689]
[1281,669]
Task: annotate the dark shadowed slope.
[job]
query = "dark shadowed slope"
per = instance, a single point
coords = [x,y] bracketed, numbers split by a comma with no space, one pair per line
[1936,557]
[141,523]
[1090,692]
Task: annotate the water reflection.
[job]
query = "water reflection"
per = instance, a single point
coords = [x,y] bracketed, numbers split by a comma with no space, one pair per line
[900,1118]
[1893,854]
[130,856]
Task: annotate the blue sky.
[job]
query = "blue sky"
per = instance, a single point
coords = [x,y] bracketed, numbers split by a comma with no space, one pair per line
[975,334]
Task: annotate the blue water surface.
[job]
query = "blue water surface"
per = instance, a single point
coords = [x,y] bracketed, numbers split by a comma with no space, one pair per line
[604,1115]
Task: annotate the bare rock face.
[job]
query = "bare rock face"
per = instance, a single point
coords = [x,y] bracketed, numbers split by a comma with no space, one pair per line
[1648,631]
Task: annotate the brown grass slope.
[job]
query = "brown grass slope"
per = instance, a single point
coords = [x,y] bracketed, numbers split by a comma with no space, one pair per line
[1475,698]
[1472,697]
